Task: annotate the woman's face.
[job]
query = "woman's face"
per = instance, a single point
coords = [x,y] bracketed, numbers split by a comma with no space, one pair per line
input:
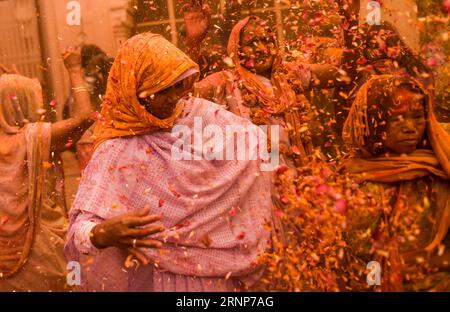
[257,48]
[406,125]
[162,104]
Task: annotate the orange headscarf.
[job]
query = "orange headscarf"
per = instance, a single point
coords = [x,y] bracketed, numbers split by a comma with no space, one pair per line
[146,63]
[420,163]
[282,99]
[20,102]
[283,95]
[381,169]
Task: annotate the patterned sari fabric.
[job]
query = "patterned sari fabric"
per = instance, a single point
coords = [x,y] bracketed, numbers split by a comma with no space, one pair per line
[405,224]
[32,213]
[215,211]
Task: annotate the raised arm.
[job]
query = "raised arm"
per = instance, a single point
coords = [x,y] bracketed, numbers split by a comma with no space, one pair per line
[197,20]
[5,70]
[319,76]
[349,12]
[69,131]
[231,16]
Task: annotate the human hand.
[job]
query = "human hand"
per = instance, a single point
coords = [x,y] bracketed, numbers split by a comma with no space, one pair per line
[130,232]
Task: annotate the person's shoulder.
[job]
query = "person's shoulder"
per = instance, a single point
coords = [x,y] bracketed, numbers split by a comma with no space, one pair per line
[112,144]
[220,77]
[217,112]
[117,147]
[295,64]
[204,106]
[299,68]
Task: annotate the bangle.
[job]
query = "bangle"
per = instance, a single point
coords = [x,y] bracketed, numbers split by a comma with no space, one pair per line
[79,89]
[93,241]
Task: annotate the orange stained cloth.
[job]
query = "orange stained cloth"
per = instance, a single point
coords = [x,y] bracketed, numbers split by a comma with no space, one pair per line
[418,164]
[394,169]
[282,96]
[145,64]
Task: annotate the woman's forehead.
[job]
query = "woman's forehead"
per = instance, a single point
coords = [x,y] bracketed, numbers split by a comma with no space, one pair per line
[257,28]
[407,100]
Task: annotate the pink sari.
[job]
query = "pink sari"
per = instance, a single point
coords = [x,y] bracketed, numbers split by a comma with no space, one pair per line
[215,212]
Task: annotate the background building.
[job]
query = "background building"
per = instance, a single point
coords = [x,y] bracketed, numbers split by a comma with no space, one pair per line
[33,33]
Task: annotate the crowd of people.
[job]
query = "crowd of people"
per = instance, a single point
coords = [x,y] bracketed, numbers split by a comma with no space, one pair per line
[143,220]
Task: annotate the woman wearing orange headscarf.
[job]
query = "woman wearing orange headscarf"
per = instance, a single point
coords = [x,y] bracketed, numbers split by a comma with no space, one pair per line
[214,211]
[33,214]
[370,50]
[263,88]
[400,155]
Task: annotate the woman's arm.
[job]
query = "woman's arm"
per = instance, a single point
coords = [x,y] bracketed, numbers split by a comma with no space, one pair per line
[6,70]
[324,76]
[197,20]
[68,131]
[232,15]
[213,88]
[349,12]
[320,76]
